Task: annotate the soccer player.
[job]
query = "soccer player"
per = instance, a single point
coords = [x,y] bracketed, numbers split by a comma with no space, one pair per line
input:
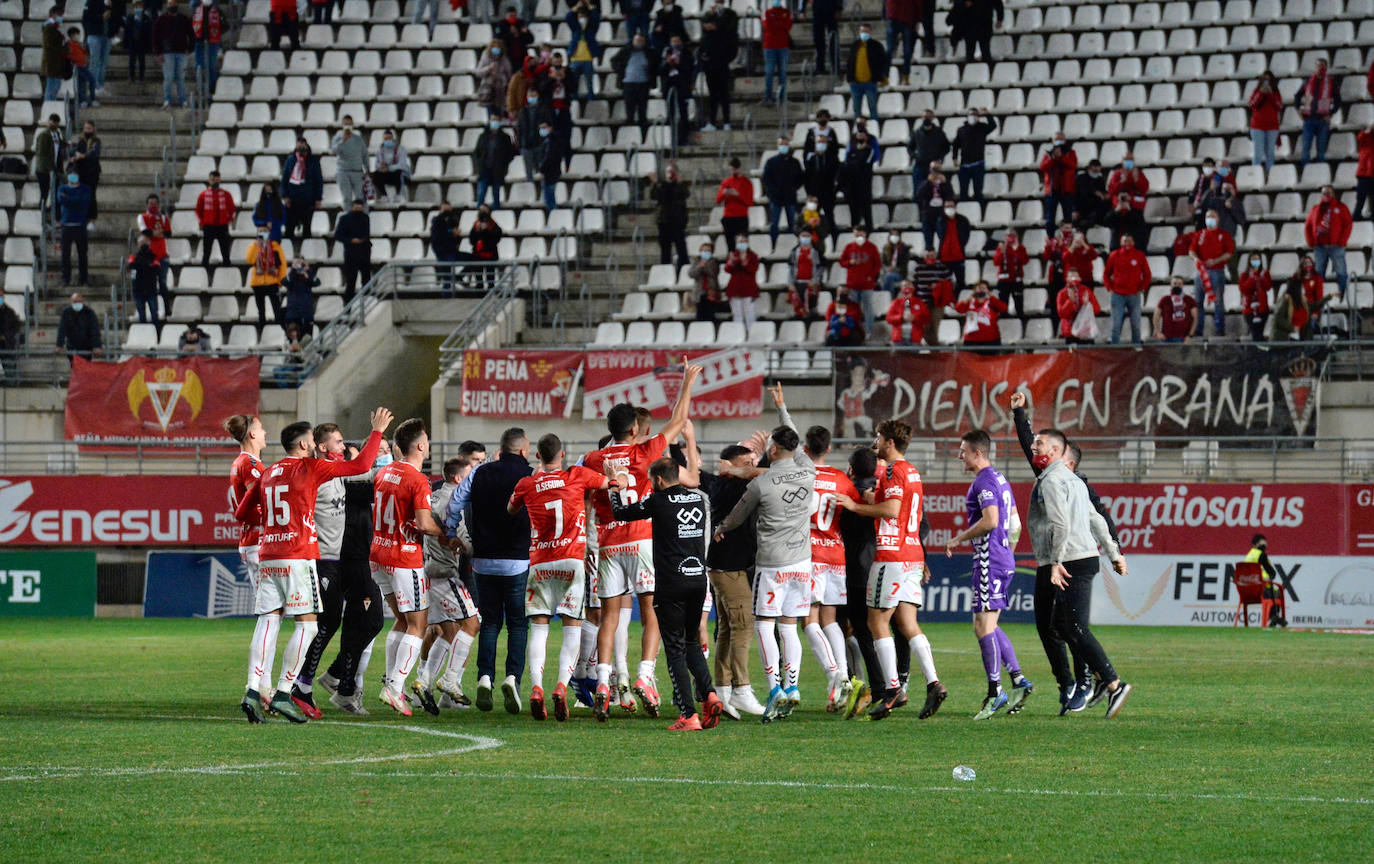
[898,572]
[992,526]
[400,514]
[555,501]
[247,468]
[680,519]
[285,495]
[781,497]
[626,563]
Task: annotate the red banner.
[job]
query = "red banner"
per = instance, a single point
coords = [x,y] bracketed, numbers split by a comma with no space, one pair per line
[145,399]
[731,386]
[520,383]
[101,510]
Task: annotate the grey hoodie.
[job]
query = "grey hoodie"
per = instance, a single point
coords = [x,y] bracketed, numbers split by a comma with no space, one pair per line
[782,496]
[352,153]
[1063,524]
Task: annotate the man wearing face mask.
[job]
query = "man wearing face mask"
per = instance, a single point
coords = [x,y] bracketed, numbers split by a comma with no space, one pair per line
[930,197]
[844,320]
[1255,287]
[583,49]
[78,330]
[820,172]
[862,263]
[527,123]
[935,286]
[174,39]
[1327,231]
[85,161]
[705,274]
[743,287]
[866,71]
[1131,180]
[1010,258]
[735,195]
[981,313]
[637,67]
[1207,177]
[492,157]
[822,131]
[860,158]
[350,149]
[551,155]
[53,60]
[443,242]
[302,187]
[1090,197]
[805,270]
[928,144]
[782,180]
[1222,198]
[353,232]
[1124,220]
[896,256]
[1176,315]
[953,230]
[1058,170]
[215,210]
[671,196]
[74,211]
[677,72]
[1211,250]
[719,45]
[907,315]
[667,24]
[485,239]
[1318,99]
[49,148]
[970,143]
[1127,276]
[154,221]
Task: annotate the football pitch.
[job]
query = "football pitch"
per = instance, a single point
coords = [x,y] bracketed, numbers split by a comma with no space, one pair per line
[122,740]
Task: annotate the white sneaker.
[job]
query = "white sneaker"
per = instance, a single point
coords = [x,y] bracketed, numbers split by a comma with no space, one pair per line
[100,91]
[350,705]
[511,692]
[709,127]
[727,127]
[484,693]
[744,699]
[726,708]
[166,105]
[328,683]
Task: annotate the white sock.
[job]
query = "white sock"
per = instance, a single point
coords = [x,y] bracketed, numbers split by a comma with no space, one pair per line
[603,674]
[835,636]
[363,659]
[535,649]
[622,646]
[887,659]
[296,649]
[791,655]
[567,655]
[303,686]
[586,657]
[646,669]
[920,646]
[820,646]
[458,656]
[853,653]
[393,640]
[262,651]
[766,628]
[407,652]
[434,664]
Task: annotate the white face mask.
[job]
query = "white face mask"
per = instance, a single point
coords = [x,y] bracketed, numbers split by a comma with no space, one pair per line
[894,239]
[706,254]
[1211,223]
[806,241]
[949,211]
[742,247]
[78,306]
[973,118]
[1207,170]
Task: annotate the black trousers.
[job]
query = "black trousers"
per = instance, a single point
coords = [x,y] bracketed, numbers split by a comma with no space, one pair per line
[213,234]
[279,25]
[860,198]
[856,610]
[928,29]
[356,264]
[732,227]
[637,103]
[299,212]
[1071,608]
[825,32]
[1008,290]
[75,235]
[982,42]
[265,294]
[718,85]
[45,183]
[1052,639]
[332,598]
[678,602]
[670,239]
[362,621]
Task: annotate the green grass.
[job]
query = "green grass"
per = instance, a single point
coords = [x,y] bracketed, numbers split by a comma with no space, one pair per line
[1238,745]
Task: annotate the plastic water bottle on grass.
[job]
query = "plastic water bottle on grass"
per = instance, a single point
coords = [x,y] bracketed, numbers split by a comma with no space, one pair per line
[964,773]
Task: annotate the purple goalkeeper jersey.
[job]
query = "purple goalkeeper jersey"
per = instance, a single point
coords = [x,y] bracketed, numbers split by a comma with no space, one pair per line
[992,552]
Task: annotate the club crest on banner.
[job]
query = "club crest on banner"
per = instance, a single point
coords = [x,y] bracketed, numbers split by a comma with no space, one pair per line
[163,393]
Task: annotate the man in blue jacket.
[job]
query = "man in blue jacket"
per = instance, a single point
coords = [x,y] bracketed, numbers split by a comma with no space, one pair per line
[74,209]
[302,188]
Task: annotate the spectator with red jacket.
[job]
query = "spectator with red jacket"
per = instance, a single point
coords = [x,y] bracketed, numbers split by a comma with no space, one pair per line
[844,320]
[1364,172]
[1079,258]
[908,316]
[1129,179]
[743,287]
[159,228]
[735,195]
[1328,231]
[207,22]
[1074,297]
[1255,285]
[777,42]
[1127,277]
[862,263]
[1211,249]
[1318,98]
[981,312]
[283,20]
[1266,107]
[1058,170]
[215,209]
[1313,289]
[954,231]
[1176,314]
[1010,258]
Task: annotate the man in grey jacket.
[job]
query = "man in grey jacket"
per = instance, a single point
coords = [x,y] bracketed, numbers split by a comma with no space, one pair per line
[1066,532]
[349,147]
[781,497]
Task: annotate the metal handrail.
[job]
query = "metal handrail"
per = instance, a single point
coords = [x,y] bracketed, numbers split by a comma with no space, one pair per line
[491,308]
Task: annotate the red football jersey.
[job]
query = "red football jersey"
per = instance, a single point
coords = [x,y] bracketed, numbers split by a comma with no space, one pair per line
[634,458]
[400,492]
[826,545]
[242,475]
[556,503]
[286,495]
[899,539]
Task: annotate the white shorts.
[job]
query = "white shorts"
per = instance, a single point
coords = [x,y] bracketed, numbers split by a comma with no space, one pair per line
[409,584]
[449,598]
[827,585]
[626,568]
[249,555]
[291,585]
[783,592]
[890,583]
[556,588]
[593,582]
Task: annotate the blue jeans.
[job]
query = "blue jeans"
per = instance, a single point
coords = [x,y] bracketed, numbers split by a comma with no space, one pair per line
[550,187]
[1218,280]
[775,210]
[1057,201]
[1336,255]
[971,181]
[907,35]
[775,63]
[636,24]
[421,18]
[174,78]
[100,57]
[207,58]
[501,599]
[1315,127]
[483,184]
[85,86]
[858,92]
[51,87]
[1121,307]
[584,76]
[1262,143]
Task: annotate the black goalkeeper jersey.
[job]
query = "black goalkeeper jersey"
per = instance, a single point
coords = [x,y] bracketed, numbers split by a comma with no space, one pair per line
[681,520]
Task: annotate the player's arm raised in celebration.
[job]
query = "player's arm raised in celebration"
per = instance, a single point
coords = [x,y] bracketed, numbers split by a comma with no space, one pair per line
[624,512]
[1023,426]
[683,407]
[362,463]
[982,527]
[691,475]
[784,418]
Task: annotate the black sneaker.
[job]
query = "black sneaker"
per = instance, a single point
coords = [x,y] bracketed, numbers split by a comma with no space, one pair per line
[252,707]
[883,707]
[1099,691]
[1116,699]
[935,696]
[1066,696]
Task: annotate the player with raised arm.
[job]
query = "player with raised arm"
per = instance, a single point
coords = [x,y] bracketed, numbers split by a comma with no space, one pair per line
[555,500]
[898,572]
[626,563]
[247,468]
[285,496]
[400,514]
[993,525]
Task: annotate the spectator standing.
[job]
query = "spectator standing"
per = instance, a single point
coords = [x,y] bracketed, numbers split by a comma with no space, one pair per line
[583,49]
[207,22]
[173,40]
[144,269]
[670,197]
[777,40]
[268,268]
[862,263]
[867,69]
[1291,316]
[844,320]
[901,18]
[443,242]
[527,131]
[820,174]
[86,151]
[1127,276]
[100,24]
[354,232]
[805,272]
[822,131]
[1222,198]
[981,312]
[49,153]
[928,146]
[78,330]
[390,168]
[1327,232]
[1255,286]
[1212,249]
[743,287]
[551,156]
[53,59]
[1078,308]
[1364,172]
[677,73]
[485,239]
[1266,107]
[283,21]
[1058,170]
[302,185]
[860,158]
[668,22]
[215,210]
[300,285]
[1090,198]
[324,11]
[1319,98]
[494,71]
[1176,315]
[970,145]
[931,196]
[1010,258]
[907,316]
[1053,254]
[491,158]
[735,195]
[1130,180]
[972,22]
[953,230]
[74,202]
[138,40]
[719,46]
[1079,258]
[896,261]
[350,150]
[935,286]
[709,303]
[269,212]
[637,14]
[159,228]
[825,33]
[514,33]
[637,67]
[78,58]
[1125,220]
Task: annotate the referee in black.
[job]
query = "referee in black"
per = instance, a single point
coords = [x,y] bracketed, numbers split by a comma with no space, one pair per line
[681,522]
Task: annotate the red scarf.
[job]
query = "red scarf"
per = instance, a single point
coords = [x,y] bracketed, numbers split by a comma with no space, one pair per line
[267,259]
[1317,95]
[298,170]
[1324,223]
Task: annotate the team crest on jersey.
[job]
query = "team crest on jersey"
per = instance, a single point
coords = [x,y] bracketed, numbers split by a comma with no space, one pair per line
[163,393]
